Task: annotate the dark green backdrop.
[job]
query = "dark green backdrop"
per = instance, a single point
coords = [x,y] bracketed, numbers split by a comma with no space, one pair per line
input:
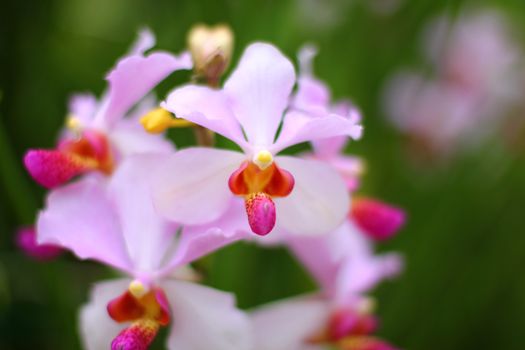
[464,286]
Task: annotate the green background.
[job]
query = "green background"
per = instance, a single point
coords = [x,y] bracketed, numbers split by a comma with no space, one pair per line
[464,285]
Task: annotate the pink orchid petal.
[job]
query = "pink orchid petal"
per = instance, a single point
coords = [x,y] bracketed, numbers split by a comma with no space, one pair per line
[26,241]
[197,241]
[129,138]
[312,94]
[206,107]
[192,185]
[349,167]
[145,41]
[343,262]
[322,255]
[259,91]
[83,106]
[133,78]
[288,324]
[52,168]
[147,235]
[205,318]
[361,269]
[333,146]
[319,201]
[313,97]
[80,217]
[300,127]
[97,329]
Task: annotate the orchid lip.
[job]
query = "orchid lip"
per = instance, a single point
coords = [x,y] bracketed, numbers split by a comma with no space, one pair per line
[87,152]
[261,213]
[258,187]
[146,309]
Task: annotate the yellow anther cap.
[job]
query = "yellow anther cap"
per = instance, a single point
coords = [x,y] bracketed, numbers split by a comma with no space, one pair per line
[137,289]
[263,159]
[73,123]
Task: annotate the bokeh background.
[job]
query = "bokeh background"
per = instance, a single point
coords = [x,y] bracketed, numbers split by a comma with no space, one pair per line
[464,284]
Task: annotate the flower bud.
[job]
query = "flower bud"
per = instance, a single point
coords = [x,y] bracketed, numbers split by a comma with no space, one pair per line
[211,49]
[378,220]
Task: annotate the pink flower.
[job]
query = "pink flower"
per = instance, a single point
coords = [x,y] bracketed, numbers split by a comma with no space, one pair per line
[98,134]
[343,262]
[26,241]
[378,220]
[198,185]
[115,223]
[340,317]
[313,97]
[477,75]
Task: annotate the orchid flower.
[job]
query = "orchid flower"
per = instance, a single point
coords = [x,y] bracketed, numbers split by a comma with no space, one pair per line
[198,185]
[345,267]
[98,134]
[376,219]
[115,223]
[313,96]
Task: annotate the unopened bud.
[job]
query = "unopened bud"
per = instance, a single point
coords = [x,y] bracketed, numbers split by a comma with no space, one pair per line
[378,220]
[211,49]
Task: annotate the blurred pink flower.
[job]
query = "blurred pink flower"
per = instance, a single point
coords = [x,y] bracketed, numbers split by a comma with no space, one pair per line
[477,81]
[98,134]
[115,223]
[302,196]
[26,241]
[344,265]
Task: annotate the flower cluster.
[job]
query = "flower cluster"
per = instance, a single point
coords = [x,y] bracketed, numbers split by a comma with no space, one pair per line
[476,69]
[121,194]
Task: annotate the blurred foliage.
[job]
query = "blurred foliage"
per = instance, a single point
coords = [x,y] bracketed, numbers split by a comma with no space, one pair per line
[464,244]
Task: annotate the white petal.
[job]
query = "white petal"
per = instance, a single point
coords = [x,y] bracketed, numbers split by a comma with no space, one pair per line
[96,328]
[192,186]
[285,325]
[319,201]
[204,319]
